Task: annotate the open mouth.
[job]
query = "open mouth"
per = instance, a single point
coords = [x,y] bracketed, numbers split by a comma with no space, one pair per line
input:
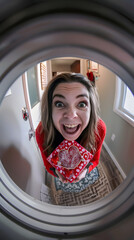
[71,128]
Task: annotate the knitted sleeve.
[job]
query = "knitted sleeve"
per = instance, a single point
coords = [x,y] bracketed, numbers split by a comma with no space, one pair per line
[99,141]
[39,134]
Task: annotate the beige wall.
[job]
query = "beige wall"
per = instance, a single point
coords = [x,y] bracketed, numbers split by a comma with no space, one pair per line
[19,156]
[123,146]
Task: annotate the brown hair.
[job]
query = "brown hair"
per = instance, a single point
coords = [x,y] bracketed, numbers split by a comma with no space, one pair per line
[52,137]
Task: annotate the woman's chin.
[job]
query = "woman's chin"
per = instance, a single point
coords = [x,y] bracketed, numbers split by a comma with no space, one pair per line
[70,137]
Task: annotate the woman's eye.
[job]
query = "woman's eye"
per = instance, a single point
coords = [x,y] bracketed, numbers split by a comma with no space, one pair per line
[59,104]
[82,105]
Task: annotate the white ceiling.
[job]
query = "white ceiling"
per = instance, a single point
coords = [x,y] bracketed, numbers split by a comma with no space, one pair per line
[64,61]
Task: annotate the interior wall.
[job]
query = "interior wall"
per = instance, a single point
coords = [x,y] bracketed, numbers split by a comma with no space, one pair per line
[122,146]
[61,68]
[19,156]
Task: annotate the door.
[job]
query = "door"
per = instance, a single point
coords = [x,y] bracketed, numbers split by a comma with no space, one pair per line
[32,94]
[32,97]
[34,83]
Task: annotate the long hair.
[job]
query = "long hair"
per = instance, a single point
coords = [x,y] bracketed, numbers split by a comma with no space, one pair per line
[52,137]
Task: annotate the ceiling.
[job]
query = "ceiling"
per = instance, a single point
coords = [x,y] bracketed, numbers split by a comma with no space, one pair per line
[64,61]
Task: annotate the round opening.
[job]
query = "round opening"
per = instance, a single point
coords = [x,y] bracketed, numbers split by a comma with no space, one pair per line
[65,35]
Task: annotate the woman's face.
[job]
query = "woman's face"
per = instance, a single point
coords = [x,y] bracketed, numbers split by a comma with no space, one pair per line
[70,109]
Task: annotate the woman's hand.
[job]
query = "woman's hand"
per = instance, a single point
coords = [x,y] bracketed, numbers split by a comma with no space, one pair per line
[82,175]
[64,180]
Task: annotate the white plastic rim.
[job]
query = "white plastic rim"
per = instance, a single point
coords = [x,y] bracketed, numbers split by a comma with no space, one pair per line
[59,35]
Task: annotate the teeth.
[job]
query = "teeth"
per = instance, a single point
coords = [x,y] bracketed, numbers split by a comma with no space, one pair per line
[70,125]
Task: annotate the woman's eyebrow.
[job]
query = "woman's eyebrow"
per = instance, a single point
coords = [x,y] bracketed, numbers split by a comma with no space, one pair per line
[61,96]
[58,95]
[82,95]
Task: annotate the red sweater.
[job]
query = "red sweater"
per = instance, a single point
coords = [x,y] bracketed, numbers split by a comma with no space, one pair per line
[95,160]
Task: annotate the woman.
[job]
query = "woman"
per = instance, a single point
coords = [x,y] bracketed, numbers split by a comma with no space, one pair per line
[69,110]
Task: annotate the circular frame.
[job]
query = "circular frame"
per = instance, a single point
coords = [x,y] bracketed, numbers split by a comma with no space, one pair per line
[30,40]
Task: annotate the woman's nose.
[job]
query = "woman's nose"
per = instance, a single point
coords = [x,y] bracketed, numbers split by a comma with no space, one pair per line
[70,113]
